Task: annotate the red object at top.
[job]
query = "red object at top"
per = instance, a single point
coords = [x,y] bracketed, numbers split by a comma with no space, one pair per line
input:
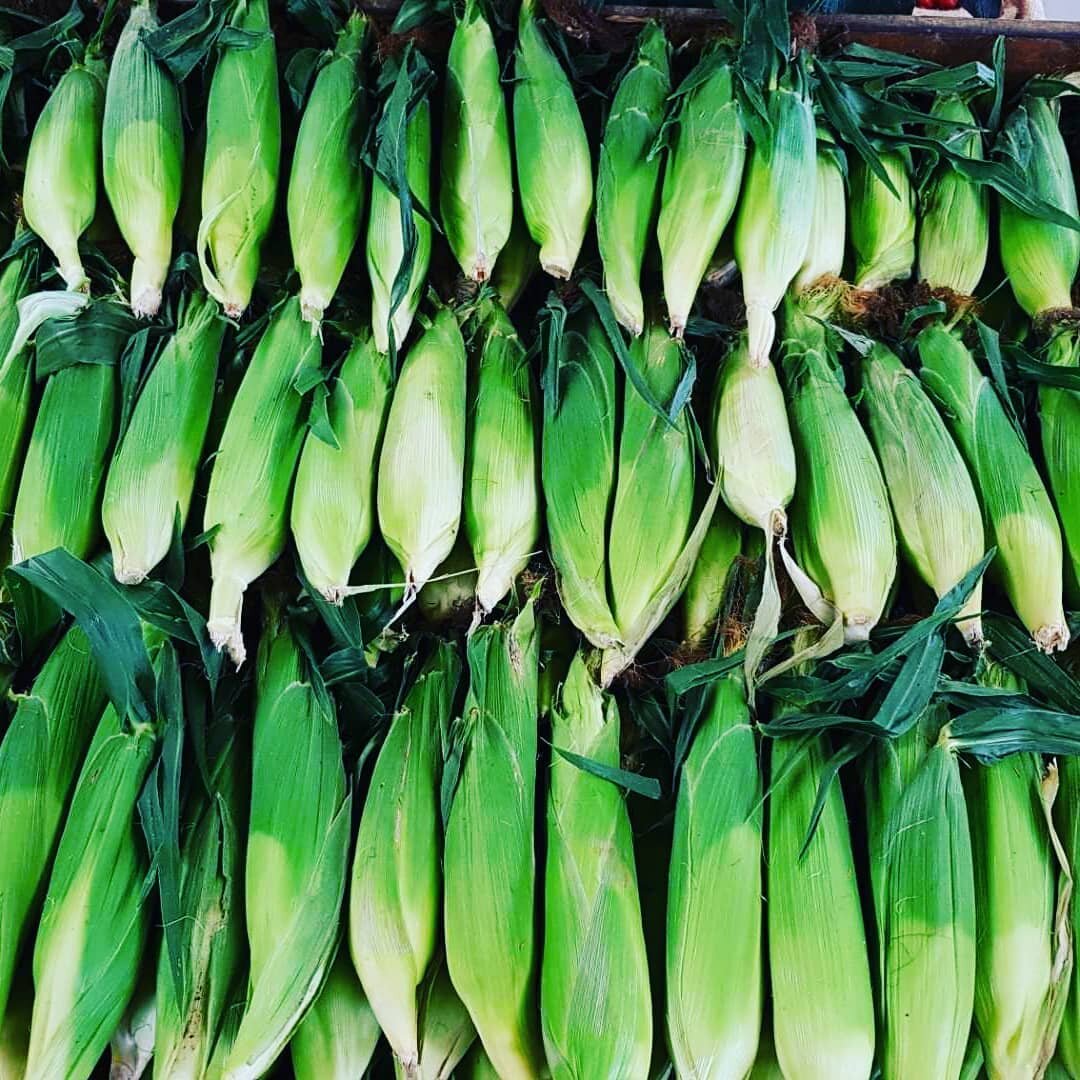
[938,5]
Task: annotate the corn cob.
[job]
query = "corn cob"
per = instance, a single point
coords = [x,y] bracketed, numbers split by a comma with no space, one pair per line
[775,216]
[421,466]
[143,156]
[247,501]
[337,1038]
[476,190]
[714,981]
[39,758]
[594,976]
[386,239]
[828,222]
[60,188]
[702,178]
[704,596]
[501,509]
[823,1006]
[297,851]
[489,861]
[924,903]
[325,201]
[1067,823]
[551,149]
[394,902]
[152,475]
[841,519]
[1019,515]
[627,185]
[212,931]
[240,166]
[882,223]
[954,223]
[936,508]
[95,920]
[446,1029]
[1015,887]
[334,495]
[57,501]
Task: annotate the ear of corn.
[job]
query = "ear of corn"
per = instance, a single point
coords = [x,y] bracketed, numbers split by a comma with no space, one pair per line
[143,156]
[595,975]
[704,596]
[841,519]
[925,907]
[1041,258]
[248,497]
[627,185]
[325,202]
[1015,888]
[386,241]
[937,511]
[1059,417]
[297,851]
[882,224]
[578,468]
[1067,823]
[39,757]
[66,459]
[394,902]
[775,217]
[212,931]
[422,463]
[551,149]
[1017,509]
[489,861]
[518,262]
[152,475]
[954,223]
[823,1006]
[337,1038]
[827,244]
[702,178]
[240,167]
[16,381]
[476,188]
[95,920]
[450,596]
[714,981]
[446,1029]
[333,500]
[60,188]
[501,511]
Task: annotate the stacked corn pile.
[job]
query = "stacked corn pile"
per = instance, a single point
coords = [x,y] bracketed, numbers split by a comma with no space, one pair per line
[648,490]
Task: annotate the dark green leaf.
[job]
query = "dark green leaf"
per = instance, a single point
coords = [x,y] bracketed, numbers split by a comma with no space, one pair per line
[96,335]
[629,781]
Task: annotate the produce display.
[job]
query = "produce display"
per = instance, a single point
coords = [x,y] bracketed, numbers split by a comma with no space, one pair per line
[533,548]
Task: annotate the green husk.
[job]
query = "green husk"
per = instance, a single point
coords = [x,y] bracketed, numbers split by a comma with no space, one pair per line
[776,210]
[489,861]
[1019,516]
[142,146]
[554,164]
[327,184]
[297,851]
[422,463]
[714,981]
[240,165]
[477,1065]
[395,896]
[1067,823]
[476,188]
[59,194]
[333,503]
[501,508]
[15,1030]
[954,218]
[823,1005]
[704,596]
[934,501]
[152,475]
[1059,416]
[40,754]
[518,263]
[841,519]
[595,974]
[628,182]
[702,178]
[132,1045]
[247,501]
[827,245]
[446,1029]
[882,224]
[337,1038]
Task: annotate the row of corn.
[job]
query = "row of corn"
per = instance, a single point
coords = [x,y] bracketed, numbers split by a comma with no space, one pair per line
[930,937]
